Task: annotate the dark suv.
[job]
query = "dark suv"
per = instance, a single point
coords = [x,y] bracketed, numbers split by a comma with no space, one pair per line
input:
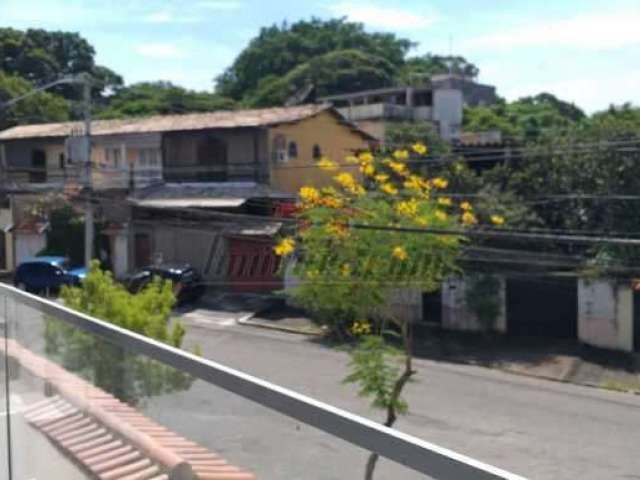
[187,282]
[46,274]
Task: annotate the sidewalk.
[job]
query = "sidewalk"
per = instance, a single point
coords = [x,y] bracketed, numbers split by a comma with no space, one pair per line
[551,359]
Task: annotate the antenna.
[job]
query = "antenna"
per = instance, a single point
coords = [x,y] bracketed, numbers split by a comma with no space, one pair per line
[450,54]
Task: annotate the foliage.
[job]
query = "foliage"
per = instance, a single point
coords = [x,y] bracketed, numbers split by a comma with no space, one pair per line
[37,108]
[161,98]
[409,133]
[482,297]
[416,69]
[41,56]
[129,377]
[375,366]
[277,50]
[526,119]
[66,236]
[339,71]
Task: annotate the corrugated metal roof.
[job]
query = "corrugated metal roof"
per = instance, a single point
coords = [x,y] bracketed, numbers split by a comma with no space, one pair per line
[167,123]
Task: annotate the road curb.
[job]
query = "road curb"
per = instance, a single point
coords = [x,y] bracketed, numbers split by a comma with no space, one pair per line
[247,322]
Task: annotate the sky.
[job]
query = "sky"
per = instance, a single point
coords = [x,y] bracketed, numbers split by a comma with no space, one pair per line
[584,51]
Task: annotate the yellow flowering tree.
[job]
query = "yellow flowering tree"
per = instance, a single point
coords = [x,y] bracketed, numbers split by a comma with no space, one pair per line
[361,241]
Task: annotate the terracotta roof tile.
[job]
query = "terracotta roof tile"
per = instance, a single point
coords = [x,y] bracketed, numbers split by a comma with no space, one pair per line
[167,123]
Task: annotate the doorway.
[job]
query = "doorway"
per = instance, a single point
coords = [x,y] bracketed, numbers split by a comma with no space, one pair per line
[38,171]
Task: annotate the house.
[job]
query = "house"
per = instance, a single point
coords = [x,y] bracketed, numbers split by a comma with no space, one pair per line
[440,102]
[144,168]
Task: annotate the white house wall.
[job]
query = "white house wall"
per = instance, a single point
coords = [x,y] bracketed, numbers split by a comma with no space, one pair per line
[605,314]
[28,245]
[456,315]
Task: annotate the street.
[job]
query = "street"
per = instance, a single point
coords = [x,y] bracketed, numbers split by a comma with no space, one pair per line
[535,428]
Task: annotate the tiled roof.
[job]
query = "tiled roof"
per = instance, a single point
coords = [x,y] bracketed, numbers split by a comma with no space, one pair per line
[109,438]
[167,123]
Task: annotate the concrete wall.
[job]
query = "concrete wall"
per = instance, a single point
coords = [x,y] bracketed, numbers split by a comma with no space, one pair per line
[605,314]
[447,111]
[28,245]
[456,315]
[205,250]
[6,220]
[336,141]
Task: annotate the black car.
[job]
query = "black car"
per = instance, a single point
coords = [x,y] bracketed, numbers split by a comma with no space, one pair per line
[187,282]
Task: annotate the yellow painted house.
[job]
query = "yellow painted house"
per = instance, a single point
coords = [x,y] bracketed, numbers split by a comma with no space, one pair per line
[279,147]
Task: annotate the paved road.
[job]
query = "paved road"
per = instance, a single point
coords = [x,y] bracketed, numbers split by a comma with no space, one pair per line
[536,428]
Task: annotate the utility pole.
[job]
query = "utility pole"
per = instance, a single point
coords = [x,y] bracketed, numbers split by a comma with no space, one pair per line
[87,166]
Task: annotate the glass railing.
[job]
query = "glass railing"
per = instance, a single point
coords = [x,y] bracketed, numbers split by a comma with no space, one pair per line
[82,398]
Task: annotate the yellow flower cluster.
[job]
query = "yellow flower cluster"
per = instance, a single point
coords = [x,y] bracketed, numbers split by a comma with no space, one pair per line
[309,194]
[346,181]
[401,155]
[368,169]
[332,202]
[360,328]
[400,253]
[444,201]
[389,189]
[407,208]
[440,183]
[327,164]
[497,219]
[285,247]
[420,148]
[469,218]
[336,229]
[397,167]
[366,157]
[381,177]
[352,159]
[466,206]
[440,215]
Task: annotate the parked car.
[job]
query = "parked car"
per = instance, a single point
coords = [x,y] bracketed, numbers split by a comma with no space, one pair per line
[187,282]
[47,274]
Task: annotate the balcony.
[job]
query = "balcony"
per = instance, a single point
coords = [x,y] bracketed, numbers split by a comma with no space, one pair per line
[386,111]
[82,417]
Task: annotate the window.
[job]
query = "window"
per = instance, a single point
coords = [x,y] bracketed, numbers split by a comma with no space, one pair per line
[149,157]
[113,157]
[293,150]
[279,148]
[316,152]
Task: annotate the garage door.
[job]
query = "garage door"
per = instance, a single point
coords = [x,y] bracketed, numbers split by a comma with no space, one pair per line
[542,307]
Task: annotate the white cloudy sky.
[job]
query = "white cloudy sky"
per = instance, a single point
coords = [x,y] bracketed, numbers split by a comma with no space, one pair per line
[586,51]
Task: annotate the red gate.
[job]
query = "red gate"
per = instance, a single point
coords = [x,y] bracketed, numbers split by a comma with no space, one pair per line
[253,265]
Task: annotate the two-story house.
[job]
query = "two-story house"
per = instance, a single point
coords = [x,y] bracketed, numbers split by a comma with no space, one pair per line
[155,177]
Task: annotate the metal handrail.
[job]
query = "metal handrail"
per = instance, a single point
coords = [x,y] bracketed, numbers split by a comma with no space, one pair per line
[425,457]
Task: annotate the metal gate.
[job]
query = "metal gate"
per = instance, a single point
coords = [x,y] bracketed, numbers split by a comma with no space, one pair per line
[542,307]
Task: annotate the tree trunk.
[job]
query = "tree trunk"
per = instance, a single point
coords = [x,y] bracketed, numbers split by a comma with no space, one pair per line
[402,380]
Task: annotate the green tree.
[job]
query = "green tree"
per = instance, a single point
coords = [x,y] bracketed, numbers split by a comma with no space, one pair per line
[347,274]
[525,120]
[161,98]
[37,108]
[337,71]
[129,377]
[277,50]
[41,56]
[416,69]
